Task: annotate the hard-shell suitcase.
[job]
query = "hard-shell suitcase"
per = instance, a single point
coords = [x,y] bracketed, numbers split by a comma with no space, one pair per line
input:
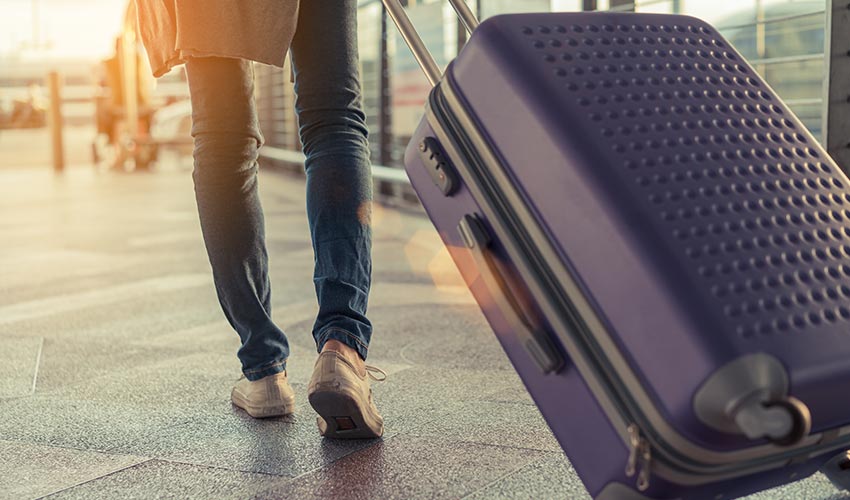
[660,246]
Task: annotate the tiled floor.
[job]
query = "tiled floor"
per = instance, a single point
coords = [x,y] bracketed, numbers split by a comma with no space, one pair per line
[116,363]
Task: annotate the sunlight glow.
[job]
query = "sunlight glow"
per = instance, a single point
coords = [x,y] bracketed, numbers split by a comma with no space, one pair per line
[59,28]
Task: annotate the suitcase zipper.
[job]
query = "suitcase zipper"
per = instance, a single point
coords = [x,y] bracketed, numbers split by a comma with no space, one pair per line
[640,449]
[641,446]
[640,458]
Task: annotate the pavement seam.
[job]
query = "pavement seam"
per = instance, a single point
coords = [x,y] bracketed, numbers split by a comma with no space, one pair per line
[417,433]
[495,445]
[545,455]
[54,305]
[37,366]
[66,447]
[512,473]
[402,353]
[36,363]
[218,467]
[382,440]
[60,392]
[390,437]
[134,441]
[96,478]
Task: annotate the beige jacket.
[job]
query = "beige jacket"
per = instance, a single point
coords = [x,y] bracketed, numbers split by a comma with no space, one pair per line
[258,30]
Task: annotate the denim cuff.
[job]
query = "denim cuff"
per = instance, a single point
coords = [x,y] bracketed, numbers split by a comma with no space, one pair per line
[264,371]
[347,338]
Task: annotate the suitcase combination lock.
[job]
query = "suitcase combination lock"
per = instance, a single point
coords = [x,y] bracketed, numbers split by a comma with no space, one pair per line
[439,167]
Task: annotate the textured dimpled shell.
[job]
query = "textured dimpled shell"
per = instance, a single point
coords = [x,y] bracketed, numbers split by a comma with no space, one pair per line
[752,207]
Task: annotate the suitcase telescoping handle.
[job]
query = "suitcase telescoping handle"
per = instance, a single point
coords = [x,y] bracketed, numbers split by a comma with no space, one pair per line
[414,41]
[533,339]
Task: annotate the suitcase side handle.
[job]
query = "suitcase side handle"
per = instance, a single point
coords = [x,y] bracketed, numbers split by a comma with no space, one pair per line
[414,41]
[535,341]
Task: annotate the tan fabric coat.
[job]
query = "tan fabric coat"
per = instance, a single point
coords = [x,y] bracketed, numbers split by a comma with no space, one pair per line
[258,30]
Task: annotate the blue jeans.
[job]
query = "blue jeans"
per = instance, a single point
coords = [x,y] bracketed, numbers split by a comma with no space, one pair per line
[339,186]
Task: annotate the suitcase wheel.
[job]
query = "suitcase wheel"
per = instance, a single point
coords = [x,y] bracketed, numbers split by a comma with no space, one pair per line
[749,396]
[801,420]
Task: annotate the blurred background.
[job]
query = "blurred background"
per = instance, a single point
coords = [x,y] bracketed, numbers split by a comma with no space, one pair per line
[115,359]
[91,46]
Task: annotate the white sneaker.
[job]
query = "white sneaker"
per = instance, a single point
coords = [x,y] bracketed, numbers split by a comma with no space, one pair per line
[270,396]
[343,398]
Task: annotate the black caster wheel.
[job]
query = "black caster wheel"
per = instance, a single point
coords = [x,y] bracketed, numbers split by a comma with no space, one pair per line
[801,421]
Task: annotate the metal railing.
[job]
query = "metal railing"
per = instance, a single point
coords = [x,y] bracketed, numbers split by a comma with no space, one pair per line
[379,172]
[772,20]
[389,146]
[812,101]
[631,7]
[769,61]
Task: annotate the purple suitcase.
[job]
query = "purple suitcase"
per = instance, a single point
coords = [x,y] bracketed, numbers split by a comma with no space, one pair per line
[660,246]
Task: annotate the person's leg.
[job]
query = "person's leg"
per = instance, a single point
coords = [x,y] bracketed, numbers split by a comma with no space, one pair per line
[339,184]
[227,137]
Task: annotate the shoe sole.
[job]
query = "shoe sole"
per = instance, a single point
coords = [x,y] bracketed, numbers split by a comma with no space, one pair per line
[264,411]
[342,416]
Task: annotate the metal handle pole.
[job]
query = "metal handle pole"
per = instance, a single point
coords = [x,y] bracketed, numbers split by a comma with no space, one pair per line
[470,22]
[414,41]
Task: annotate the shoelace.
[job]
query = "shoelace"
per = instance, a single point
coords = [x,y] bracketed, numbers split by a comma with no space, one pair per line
[244,377]
[372,370]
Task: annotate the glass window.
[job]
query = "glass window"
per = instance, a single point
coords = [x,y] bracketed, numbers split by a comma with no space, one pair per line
[489,8]
[783,40]
[369,46]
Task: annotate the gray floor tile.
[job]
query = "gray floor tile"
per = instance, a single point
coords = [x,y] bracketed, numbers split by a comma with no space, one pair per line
[156,480]
[127,320]
[31,470]
[69,361]
[814,487]
[63,271]
[54,305]
[554,477]
[90,425]
[226,437]
[434,335]
[516,394]
[443,336]
[216,336]
[518,425]
[176,382]
[19,365]
[395,294]
[550,477]
[414,397]
[406,467]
